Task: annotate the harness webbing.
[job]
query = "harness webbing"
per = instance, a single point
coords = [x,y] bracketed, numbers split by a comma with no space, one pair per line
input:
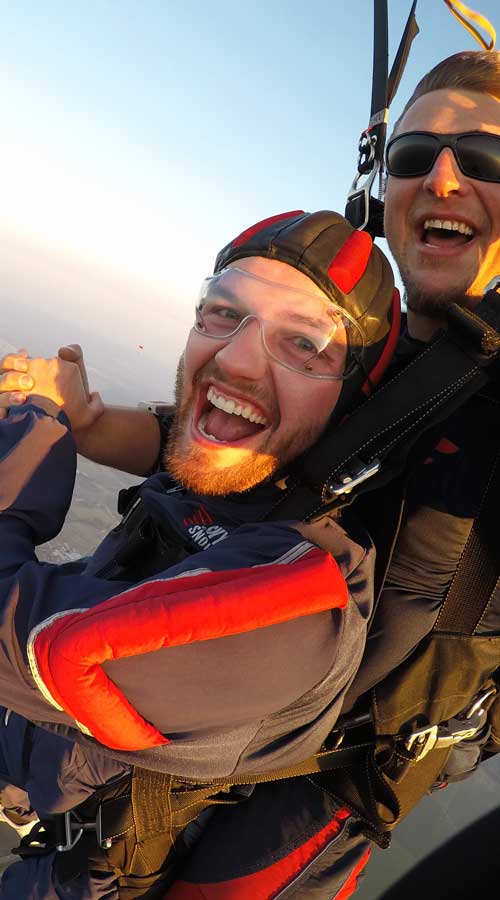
[323,761]
[479,567]
[379,435]
[362,210]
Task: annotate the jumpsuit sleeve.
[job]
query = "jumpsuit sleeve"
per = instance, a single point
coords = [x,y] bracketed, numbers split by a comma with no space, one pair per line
[240,631]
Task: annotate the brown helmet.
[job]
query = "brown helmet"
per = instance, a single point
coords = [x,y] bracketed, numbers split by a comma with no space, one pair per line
[348,268]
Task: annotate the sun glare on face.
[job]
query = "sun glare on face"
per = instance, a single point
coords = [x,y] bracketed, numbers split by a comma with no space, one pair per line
[241,414]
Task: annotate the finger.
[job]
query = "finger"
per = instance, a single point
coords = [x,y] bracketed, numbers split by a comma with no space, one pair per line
[3,413]
[14,381]
[74,353]
[12,398]
[95,403]
[15,362]
[70,352]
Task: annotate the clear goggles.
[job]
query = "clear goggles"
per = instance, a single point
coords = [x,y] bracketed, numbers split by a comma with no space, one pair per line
[300,331]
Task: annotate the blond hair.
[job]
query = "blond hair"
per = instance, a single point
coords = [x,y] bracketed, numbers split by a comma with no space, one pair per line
[469,70]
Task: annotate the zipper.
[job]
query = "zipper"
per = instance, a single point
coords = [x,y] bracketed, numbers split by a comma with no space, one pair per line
[328,846]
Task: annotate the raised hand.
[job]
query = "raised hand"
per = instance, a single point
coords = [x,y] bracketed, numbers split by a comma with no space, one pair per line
[14,380]
[58,383]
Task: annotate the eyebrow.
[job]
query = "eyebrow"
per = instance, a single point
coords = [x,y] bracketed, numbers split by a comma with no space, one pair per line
[304,320]
[299,318]
[224,292]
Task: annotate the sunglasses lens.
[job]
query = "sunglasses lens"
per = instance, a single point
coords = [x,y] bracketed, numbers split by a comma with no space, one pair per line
[479,156]
[411,155]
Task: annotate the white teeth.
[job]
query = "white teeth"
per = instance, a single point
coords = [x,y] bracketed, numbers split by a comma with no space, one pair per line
[448,225]
[233,408]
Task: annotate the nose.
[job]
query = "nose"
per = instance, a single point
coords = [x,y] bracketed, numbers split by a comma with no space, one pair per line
[445,177]
[244,355]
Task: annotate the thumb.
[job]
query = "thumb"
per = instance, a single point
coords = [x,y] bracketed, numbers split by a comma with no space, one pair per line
[74,353]
[96,406]
[70,352]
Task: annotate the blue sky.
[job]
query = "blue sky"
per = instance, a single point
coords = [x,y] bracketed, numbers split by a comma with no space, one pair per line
[139,137]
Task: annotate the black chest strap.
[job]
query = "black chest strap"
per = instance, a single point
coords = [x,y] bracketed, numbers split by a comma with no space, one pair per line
[404,761]
[374,445]
[479,568]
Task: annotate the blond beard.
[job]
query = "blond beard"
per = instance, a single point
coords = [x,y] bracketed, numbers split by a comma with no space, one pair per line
[195,471]
[194,467]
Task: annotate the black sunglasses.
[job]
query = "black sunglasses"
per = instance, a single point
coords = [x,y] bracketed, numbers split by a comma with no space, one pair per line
[414,153]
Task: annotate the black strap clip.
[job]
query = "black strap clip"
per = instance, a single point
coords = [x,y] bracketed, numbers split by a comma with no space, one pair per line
[70,828]
[361,207]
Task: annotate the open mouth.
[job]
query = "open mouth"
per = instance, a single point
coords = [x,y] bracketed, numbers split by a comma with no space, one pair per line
[446,233]
[229,419]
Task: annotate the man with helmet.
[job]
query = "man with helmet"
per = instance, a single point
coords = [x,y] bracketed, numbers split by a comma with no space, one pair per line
[442,226]
[201,646]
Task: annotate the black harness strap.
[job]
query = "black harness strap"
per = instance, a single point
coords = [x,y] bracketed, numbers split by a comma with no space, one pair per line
[362,210]
[324,761]
[405,761]
[479,568]
[374,446]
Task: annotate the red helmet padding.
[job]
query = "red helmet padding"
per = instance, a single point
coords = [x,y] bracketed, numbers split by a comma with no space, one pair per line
[349,265]
[259,226]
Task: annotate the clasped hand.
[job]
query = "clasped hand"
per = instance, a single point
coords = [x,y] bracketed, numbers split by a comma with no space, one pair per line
[53,384]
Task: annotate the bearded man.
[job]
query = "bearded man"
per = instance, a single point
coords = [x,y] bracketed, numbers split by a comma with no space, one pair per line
[201,645]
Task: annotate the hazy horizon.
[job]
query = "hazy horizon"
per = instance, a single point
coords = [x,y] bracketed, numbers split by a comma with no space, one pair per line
[131,334]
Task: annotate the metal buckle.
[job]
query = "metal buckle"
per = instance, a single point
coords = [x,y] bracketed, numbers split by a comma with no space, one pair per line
[337,489]
[366,150]
[421,741]
[336,738]
[454,737]
[74,829]
[477,705]
[361,194]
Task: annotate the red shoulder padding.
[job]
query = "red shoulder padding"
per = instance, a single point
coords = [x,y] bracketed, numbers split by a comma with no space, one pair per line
[254,229]
[269,880]
[349,264]
[67,652]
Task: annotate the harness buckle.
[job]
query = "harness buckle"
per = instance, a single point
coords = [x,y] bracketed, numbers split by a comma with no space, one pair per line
[334,489]
[421,741]
[477,706]
[454,737]
[358,199]
[74,828]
